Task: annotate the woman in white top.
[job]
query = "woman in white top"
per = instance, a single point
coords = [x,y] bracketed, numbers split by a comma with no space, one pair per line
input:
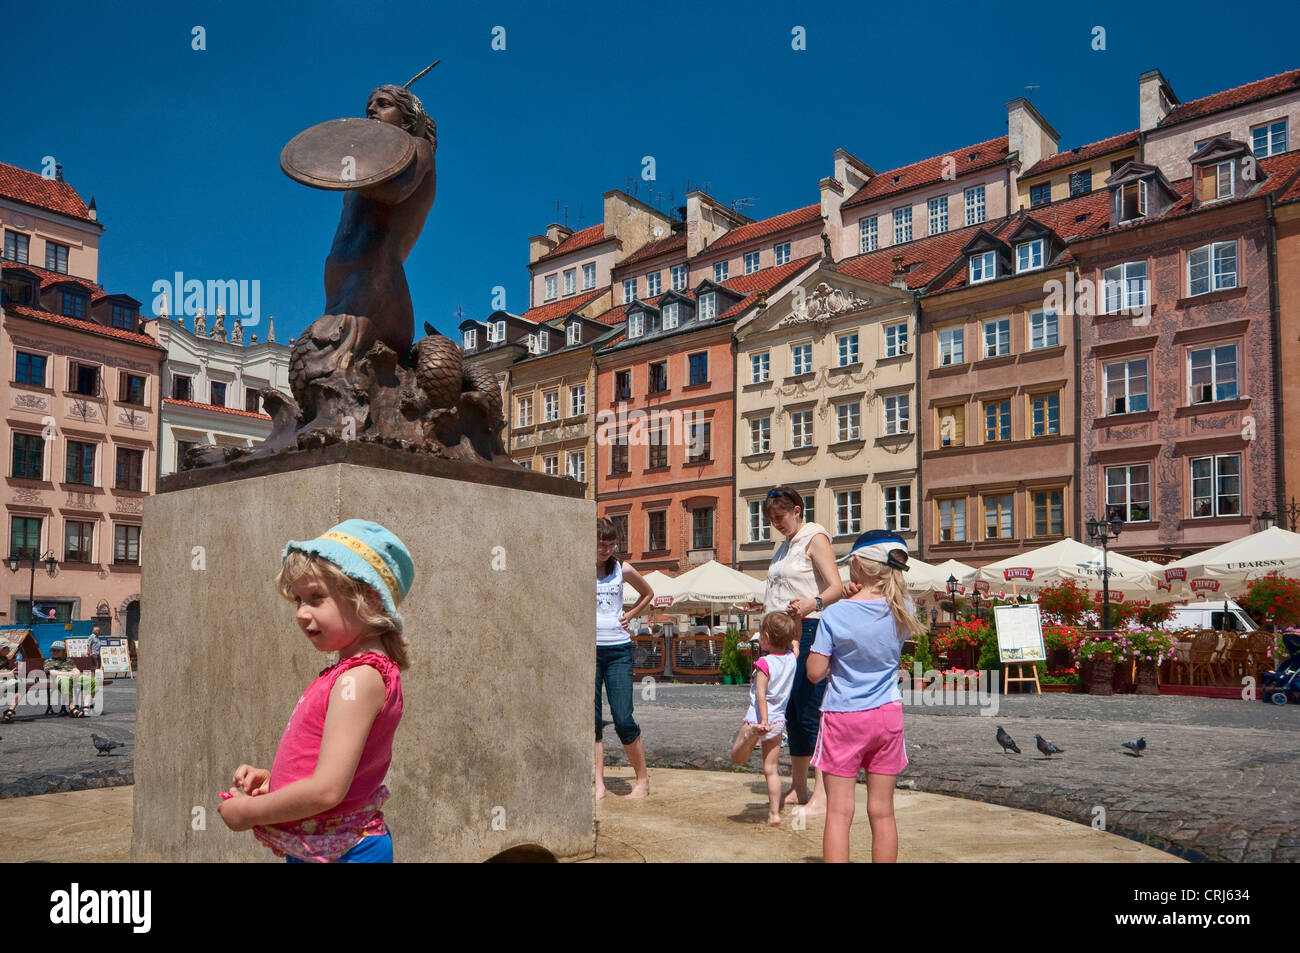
[801,580]
[614,654]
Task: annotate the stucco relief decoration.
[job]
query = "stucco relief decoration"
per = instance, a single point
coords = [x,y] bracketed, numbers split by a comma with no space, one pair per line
[757,465]
[83,410]
[821,384]
[81,501]
[823,304]
[849,454]
[126,504]
[31,402]
[28,495]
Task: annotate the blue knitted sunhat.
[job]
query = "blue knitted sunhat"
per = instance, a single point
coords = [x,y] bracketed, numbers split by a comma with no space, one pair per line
[368,553]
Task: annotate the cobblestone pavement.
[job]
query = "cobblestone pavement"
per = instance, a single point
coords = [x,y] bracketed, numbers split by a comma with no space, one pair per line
[43,754]
[1217,780]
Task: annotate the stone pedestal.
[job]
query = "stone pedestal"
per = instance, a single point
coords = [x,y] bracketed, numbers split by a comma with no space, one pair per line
[494,750]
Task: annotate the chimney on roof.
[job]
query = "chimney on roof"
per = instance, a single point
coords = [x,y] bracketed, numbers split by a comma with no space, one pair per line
[94,211]
[557,233]
[632,222]
[1156,99]
[899,281]
[1029,135]
[58,172]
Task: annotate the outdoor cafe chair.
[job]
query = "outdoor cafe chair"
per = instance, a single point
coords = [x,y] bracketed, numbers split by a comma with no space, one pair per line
[1205,646]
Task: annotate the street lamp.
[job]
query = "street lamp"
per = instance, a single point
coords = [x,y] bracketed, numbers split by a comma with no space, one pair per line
[934,618]
[952,594]
[15,563]
[1265,520]
[1101,531]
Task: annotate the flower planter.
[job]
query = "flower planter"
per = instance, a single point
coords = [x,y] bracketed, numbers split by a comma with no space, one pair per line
[1059,658]
[1059,687]
[1101,676]
[963,656]
[1146,677]
[1122,680]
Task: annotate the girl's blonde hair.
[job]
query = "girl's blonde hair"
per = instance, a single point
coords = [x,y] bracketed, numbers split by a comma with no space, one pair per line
[870,573]
[370,609]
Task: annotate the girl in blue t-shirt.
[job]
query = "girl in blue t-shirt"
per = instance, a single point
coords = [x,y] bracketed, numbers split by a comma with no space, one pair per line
[859,642]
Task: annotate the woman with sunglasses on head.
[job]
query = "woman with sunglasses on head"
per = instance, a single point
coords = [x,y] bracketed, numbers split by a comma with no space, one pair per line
[801,580]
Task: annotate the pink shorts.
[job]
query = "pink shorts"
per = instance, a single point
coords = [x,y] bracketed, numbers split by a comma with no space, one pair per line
[851,741]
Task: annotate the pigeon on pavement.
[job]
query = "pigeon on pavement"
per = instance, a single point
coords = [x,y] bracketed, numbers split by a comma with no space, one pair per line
[1006,741]
[1136,746]
[103,745]
[1046,747]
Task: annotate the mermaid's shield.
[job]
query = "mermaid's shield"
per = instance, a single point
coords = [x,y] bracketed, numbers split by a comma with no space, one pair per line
[347,154]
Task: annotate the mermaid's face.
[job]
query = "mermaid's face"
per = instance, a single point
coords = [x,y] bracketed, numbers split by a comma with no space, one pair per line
[383,107]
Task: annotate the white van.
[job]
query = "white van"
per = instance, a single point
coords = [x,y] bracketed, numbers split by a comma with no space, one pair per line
[1221,615]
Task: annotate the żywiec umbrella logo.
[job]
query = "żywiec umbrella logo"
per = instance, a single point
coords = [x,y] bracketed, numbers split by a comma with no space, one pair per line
[1172,574]
[1205,584]
[1018,573]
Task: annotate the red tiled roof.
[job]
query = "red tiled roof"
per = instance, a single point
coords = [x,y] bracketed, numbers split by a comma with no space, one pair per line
[768,226]
[768,278]
[930,170]
[1279,169]
[664,246]
[1067,219]
[51,278]
[1237,96]
[614,315]
[591,235]
[220,410]
[33,189]
[49,317]
[1092,150]
[923,259]
[562,308]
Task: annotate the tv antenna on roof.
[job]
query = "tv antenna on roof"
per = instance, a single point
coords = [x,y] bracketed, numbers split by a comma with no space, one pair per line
[1029,90]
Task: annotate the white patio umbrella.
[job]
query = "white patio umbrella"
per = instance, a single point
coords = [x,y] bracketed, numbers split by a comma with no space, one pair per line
[925,577]
[1228,567]
[1070,559]
[662,585]
[711,585]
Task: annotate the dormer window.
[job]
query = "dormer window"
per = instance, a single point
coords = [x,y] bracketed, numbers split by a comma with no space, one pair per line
[496,332]
[543,340]
[1131,201]
[574,335]
[532,344]
[708,306]
[1029,255]
[983,266]
[73,305]
[670,315]
[1216,180]
[636,324]
[469,339]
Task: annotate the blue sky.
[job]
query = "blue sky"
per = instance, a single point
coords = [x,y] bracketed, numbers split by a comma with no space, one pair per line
[181,147]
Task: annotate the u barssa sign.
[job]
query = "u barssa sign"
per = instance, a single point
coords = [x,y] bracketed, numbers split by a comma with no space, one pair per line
[1259,564]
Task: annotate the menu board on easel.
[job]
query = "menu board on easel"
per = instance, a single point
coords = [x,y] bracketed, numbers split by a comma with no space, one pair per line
[1020,633]
[115,657]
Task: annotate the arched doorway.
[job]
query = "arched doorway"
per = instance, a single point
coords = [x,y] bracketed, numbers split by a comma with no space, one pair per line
[133,619]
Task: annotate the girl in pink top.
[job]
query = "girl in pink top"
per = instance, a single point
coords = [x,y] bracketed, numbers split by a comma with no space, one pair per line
[322,799]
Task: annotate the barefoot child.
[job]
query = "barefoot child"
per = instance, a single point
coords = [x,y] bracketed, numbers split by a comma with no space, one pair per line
[859,641]
[321,801]
[773,680]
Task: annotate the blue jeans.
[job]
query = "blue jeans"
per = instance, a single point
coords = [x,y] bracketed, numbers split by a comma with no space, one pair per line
[614,668]
[377,849]
[803,713]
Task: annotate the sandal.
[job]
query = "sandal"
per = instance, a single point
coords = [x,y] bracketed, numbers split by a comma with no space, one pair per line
[76,712]
[9,715]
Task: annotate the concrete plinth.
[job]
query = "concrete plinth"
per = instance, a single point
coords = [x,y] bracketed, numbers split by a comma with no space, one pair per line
[495,747]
